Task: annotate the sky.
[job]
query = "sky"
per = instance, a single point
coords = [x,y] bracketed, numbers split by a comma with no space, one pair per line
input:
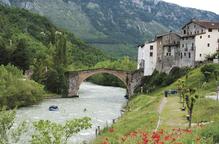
[210,5]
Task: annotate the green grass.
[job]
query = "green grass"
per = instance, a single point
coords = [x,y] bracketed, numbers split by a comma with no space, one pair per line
[206,110]
[142,110]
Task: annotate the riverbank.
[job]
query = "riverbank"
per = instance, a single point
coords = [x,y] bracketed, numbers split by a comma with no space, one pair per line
[143,114]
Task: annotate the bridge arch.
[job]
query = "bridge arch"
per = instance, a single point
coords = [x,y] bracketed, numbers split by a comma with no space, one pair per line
[75,78]
[121,77]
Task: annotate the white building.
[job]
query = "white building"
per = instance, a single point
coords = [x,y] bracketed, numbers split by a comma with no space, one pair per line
[147,57]
[199,40]
[141,56]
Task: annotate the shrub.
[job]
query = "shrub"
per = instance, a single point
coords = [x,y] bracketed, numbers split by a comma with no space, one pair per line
[158,79]
[208,70]
[15,90]
[212,132]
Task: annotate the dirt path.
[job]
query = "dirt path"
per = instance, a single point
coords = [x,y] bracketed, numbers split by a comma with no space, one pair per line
[170,114]
[160,109]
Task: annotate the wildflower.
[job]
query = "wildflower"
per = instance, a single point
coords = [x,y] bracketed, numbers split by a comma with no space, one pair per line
[133,134]
[167,138]
[105,142]
[111,130]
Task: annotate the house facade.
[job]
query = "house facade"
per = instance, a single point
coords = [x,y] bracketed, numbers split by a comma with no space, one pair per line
[168,51]
[200,39]
[148,57]
[197,40]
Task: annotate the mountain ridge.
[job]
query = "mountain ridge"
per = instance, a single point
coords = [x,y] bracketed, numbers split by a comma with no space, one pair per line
[116,26]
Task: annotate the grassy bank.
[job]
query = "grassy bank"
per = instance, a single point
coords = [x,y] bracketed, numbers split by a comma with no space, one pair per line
[142,114]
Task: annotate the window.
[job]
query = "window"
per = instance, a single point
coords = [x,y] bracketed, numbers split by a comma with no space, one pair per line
[151,47]
[200,55]
[167,54]
[192,48]
[189,55]
[209,36]
[184,54]
[181,55]
[182,45]
[209,30]
[202,30]
[169,49]
[151,54]
[208,44]
[194,26]
[184,31]
[198,32]
[200,37]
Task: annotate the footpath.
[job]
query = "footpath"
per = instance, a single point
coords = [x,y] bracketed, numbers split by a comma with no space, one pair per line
[170,114]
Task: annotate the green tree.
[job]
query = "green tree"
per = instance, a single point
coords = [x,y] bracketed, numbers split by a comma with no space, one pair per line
[181,87]
[21,57]
[45,132]
[60,57]
[48,132]
[4,53]
[207,70]
[56,81]
[191,98]
[8,134]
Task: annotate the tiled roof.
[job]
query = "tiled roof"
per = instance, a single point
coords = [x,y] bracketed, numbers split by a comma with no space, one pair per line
[205,23]
[164,34]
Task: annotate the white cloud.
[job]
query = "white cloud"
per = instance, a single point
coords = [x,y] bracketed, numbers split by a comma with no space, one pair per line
[210,5]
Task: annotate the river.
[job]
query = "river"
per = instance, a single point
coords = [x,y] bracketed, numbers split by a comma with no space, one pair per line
[103,104]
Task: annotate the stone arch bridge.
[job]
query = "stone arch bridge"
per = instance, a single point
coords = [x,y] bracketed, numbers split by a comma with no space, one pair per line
[130,79]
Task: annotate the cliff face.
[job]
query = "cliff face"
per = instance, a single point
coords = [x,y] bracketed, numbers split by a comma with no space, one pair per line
[114,22]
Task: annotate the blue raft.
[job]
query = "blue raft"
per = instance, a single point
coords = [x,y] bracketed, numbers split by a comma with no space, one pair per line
[53,108]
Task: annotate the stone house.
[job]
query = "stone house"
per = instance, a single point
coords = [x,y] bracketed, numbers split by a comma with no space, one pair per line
[197,40]
[168,51]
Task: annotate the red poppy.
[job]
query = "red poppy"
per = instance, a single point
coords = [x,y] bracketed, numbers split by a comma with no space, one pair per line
[111,130]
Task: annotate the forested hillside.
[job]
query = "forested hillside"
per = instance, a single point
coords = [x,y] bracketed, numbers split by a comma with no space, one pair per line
[26,33]
[30,41]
